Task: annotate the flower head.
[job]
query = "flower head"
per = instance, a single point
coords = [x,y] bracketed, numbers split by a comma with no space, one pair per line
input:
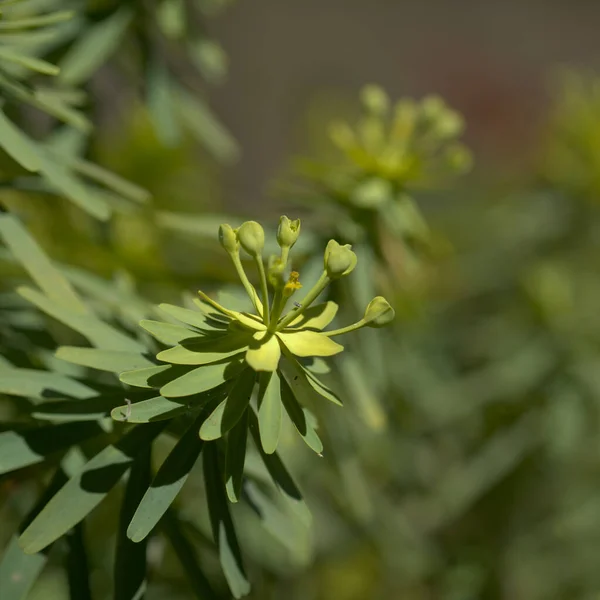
[218,354]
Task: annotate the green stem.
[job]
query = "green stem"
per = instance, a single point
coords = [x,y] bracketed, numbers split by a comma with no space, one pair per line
[347,329]
[246,282]
[263,288]
[308,300]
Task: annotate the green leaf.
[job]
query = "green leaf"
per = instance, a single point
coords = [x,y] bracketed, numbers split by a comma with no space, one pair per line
[201,379]
[205,126]
[93,47]
[67,411]
[29,62]
[25,249]
[39,21]
[114,361]
[17,145]
[85,490]
[18,571]
[166,333]
[310,343]
[41,385]
[202,320]
[20,449]
[235,457]
[304,384]
[222,524]
[146,411]
[150,377]
[205,350]
[98,333]
[160,102]
[229,412]
[130,558]
[279,474]
[186,554]
[167,483]
[316,317]
[301,418]
[78,567]
[264,352]
[269,410]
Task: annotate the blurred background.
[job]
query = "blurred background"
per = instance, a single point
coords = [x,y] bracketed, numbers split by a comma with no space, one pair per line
[465,464]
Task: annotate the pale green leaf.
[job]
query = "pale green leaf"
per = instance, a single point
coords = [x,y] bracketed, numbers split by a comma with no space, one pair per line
[263,355]
[40,385]
[310,343]
[167,333]
[114,361]
[269,410]
[18,571]
[205,350]
[17,145]
[316,317]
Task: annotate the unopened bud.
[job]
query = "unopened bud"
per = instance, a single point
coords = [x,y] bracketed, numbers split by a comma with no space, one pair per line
[251,237]
[378,313]
[228,238]
[288,232]
[339,260]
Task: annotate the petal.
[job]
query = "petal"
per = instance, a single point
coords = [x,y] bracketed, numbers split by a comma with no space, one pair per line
[310,343]
[316,317]
[264,352]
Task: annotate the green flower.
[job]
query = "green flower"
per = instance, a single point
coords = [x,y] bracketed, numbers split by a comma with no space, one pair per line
[218,355]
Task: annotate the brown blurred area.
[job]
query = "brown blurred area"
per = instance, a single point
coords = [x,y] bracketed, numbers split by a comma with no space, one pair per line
[492,60]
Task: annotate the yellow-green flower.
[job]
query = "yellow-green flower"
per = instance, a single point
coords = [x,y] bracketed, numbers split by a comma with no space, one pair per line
[217,354]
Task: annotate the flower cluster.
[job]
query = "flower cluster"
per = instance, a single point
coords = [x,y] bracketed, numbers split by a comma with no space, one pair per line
[218,355]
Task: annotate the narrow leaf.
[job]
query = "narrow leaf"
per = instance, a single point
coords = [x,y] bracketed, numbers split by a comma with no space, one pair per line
[167,333]
[235,458]
[18,571]
[42,385]
[114,361]
[269,410]
[17,145]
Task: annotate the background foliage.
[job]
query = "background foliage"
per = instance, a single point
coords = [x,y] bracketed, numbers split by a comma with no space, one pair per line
[464,463]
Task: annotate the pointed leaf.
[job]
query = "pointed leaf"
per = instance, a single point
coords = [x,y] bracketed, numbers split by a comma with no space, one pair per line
[316,317]
[305,386]
[228,412]
[114,361]
[235,458]
[167,333]
[85,490]
[300,418]
[198,319]
[202,379]
[205,350]
[18,571]
[17,145]
[269,411]
[222,524]
[145,378]
[147,411]
[167,483]
[41,385]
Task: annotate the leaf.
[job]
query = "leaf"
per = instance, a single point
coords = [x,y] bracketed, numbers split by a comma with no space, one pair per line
[147,411]
[310,343]
[114,361]
[160,102]
[206,350]
[316,317]
[201,379]
[167,483]
[18,571]
[93,47]
[222,524]
[20,449]
[29,62]
[38,21]
[193,317]
[166,333]
[25,249]
[269,411]
[304,384]
[67,411]
[230,410]
[205,126]
[85,490]
[264,352]
[300,418]
[41,385]
[78,568]
[235,457]
[144,377]
[98,333]
[186,554]
[17,145]
[279,474]
[130,559]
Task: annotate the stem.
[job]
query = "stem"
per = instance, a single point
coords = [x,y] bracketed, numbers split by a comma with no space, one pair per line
[246,282]
[346,329]
[263,288]
[308,300]
[276,309]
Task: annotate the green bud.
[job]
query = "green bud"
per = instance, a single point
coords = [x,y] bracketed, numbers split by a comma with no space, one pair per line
[251,237]
[379,312]
[339,260]
[288,232]
[375,100]
[228,238]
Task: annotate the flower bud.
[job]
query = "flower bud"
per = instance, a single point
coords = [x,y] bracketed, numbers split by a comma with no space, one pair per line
[339,260]
[378,313]
[288,232]
[251,236]
[228,238]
